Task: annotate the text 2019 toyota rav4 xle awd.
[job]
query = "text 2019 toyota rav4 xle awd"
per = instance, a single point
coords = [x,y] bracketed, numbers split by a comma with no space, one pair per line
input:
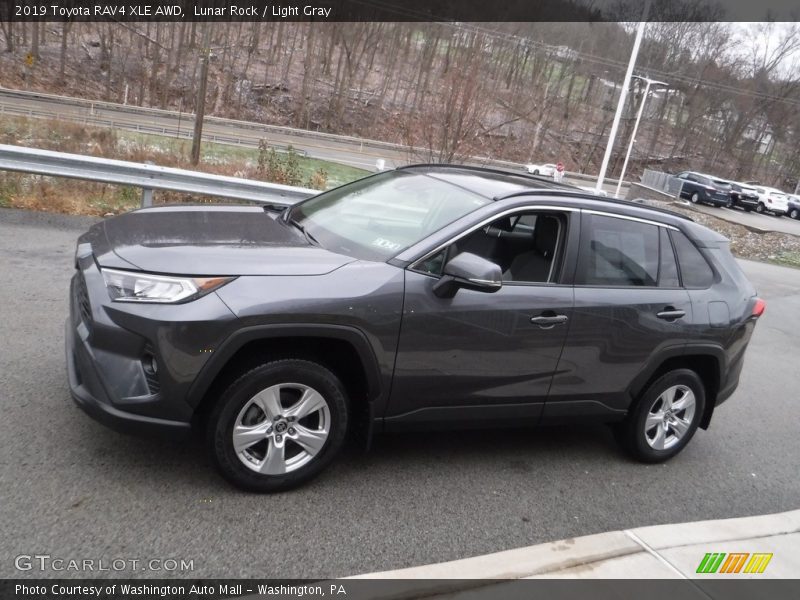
[427,296]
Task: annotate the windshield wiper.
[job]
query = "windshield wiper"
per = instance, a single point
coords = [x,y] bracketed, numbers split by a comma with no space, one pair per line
[309,237]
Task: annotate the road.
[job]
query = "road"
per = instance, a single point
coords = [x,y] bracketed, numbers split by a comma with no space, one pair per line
[73,489]
[764,222]
[347,150]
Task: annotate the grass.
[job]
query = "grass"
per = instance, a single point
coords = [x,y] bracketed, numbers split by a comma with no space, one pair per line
[55,194]
[787,259]
[215,153]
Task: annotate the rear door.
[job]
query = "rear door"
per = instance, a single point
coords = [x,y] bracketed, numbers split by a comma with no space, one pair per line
[629,307]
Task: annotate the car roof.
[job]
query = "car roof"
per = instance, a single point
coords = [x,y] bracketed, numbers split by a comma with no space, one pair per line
[497,185]
[486,182]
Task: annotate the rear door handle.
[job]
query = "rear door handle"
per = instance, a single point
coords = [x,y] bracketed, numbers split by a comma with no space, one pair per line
[545,322]
[670,314]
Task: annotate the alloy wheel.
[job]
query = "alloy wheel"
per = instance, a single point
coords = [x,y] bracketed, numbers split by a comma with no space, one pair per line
[281,429]
[670,417]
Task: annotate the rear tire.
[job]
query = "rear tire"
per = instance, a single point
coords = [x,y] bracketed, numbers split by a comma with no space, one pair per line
[664,418]
[695,198]
[278,425]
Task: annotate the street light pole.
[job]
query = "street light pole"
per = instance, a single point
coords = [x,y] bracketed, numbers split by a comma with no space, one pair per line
[622,96]
[648,82]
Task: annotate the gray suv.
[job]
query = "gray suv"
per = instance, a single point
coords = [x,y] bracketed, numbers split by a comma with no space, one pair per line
[424,297]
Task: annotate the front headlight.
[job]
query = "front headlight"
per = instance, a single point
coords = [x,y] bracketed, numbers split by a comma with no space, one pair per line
[132,286]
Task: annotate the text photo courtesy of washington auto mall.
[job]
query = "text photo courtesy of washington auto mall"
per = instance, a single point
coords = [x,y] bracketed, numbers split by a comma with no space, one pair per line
[382,299]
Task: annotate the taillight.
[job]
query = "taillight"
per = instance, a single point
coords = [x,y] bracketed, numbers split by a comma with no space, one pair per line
[759,307]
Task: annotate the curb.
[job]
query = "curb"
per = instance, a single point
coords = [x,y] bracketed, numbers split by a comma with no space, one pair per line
[549,558]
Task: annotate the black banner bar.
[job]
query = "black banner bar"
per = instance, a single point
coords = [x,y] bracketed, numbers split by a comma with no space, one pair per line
[397,10]
[707,588]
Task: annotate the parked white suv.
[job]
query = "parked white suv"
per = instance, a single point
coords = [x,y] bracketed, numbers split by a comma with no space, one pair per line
[771,200]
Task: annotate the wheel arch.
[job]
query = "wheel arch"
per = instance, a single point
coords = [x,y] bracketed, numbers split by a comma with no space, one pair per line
[706,360]
[344,350]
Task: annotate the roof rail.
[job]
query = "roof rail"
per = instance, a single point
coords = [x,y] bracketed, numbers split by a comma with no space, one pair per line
[530,177]
[600,199]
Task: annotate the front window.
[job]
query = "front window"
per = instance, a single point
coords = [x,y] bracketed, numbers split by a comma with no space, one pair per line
[378,217]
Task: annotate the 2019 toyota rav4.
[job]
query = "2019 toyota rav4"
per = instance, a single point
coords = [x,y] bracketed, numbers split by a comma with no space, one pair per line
[427,296]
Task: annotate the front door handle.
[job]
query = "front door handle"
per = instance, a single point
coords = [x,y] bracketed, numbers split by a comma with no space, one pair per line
[546,321]
[670,313]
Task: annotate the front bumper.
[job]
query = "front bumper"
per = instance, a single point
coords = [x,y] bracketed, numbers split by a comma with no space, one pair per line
[112,349]
[84,379]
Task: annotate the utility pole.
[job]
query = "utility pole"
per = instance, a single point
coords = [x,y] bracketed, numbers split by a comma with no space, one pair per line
[622,96]
[648,82]
[200,104]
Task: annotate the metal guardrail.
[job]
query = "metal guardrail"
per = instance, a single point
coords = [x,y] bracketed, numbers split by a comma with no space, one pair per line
[147,177]
[664,182]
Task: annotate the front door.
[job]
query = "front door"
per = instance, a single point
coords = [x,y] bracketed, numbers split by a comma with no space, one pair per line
[479,356]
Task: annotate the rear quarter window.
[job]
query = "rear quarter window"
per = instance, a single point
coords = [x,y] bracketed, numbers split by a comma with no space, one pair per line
[695,270]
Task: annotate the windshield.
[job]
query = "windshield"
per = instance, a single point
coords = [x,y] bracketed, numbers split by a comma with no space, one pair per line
[378,217]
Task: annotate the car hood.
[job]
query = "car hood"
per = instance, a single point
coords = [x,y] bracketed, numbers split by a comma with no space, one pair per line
[213,240]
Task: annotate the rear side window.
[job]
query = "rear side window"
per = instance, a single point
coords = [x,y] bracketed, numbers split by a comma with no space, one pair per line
[618,252]
[695,271]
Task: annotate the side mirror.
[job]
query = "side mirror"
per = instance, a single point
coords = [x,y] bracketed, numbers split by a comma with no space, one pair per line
[471,272]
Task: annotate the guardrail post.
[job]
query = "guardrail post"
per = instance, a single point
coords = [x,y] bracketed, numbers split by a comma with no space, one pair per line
[147,197]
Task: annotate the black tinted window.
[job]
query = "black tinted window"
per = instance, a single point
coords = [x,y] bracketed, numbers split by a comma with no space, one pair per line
[695,271]
[618,252]
[668,270]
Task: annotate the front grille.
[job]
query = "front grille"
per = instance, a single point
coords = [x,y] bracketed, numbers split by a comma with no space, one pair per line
[84,306]
[152,382]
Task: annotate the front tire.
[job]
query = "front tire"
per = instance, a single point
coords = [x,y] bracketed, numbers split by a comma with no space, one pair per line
[760,208]
[664,418]
[794,214]
[278,425]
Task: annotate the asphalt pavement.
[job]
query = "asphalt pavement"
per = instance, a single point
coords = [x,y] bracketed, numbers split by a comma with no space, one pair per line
[73,489]
[765,222]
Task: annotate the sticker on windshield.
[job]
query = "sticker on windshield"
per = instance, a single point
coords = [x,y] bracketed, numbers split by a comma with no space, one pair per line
[386,244]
